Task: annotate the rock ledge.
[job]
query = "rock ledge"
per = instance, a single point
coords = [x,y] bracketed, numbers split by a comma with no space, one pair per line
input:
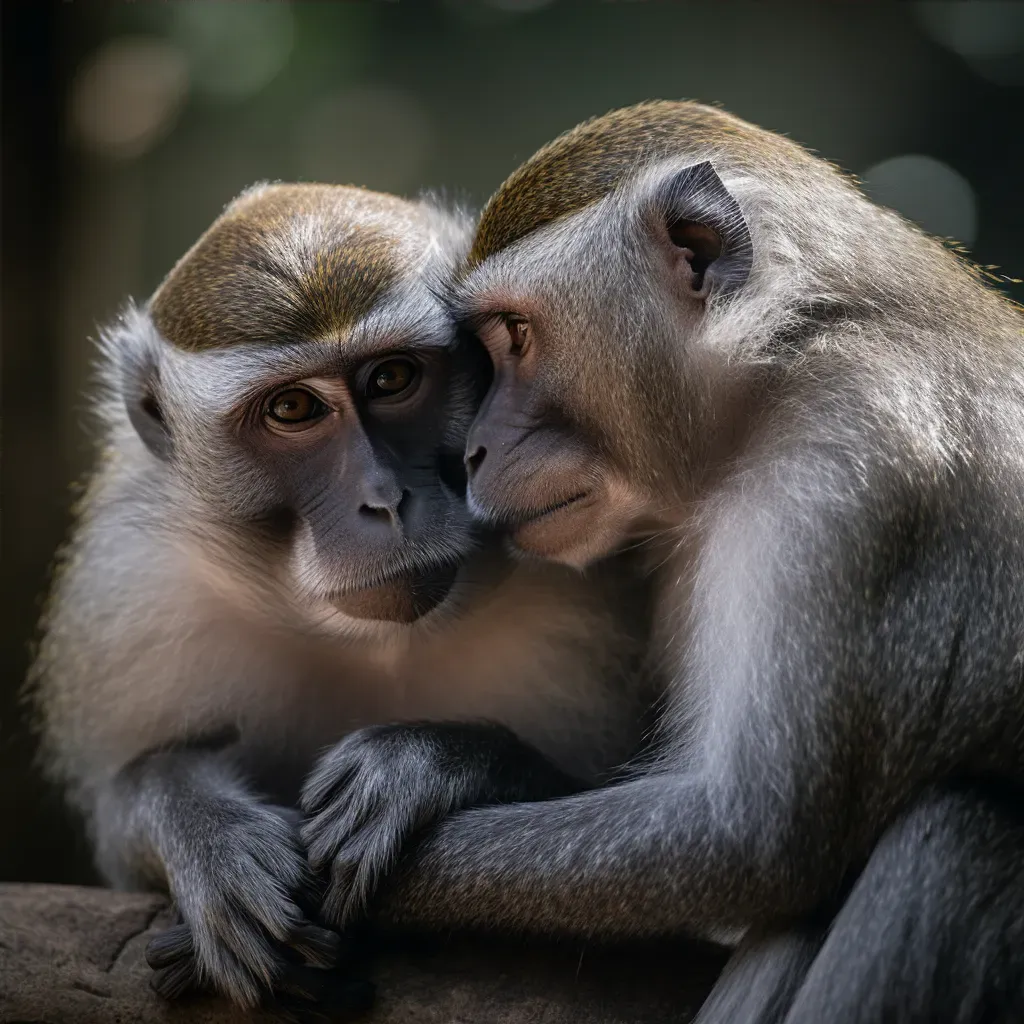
[72,955]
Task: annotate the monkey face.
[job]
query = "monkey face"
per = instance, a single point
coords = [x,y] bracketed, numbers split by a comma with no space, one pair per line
[605,401]
[538,466]
[366,463]
[555,456]
[351,464]
[306,383]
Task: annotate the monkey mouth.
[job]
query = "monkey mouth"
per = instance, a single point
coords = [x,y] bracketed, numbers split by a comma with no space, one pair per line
[548,531]
[404,597]
[533,517]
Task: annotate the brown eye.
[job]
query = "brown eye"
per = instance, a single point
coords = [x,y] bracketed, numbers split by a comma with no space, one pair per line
[519,335]
[296,405]
[391,377]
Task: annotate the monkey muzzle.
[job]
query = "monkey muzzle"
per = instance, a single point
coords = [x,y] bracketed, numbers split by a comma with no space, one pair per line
[404,598]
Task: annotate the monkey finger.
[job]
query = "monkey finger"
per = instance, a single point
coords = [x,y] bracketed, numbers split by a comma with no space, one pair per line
[317,946]
[355,804]
[242,952]
[323,785]
[265,906]
[355,872]
[344,870]
[177,981]
[170,946]
[333,824]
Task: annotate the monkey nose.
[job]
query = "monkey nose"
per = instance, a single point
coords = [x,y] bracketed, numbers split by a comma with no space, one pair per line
[475,458]
[385,507]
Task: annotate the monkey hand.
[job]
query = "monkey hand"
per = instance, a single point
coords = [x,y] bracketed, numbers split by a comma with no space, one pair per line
[364,799]
[369,794]
[242,931]
[304,990]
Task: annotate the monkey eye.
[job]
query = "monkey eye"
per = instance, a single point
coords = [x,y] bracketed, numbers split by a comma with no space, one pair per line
[295,406]
[518,333]
[391,377]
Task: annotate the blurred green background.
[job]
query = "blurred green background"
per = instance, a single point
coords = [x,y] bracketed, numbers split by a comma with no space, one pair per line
[128,126]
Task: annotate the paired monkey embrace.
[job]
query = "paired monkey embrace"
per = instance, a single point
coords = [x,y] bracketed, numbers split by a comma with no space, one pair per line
[645,559]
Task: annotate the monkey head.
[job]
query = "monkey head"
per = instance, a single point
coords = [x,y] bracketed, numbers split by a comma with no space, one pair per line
[298,375]
[603,281]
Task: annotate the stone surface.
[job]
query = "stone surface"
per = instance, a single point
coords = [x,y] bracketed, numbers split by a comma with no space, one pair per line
[71,955]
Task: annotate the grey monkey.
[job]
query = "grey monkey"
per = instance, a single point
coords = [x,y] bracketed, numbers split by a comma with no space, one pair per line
[811,414]
[274,582]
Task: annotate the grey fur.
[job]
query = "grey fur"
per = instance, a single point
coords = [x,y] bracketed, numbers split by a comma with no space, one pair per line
[181,609]
[827,464]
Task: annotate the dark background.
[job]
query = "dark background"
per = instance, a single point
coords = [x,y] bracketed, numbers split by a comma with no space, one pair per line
[127,126]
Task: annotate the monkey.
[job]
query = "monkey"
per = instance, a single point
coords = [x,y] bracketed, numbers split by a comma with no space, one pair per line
[274,568]
[709,345]
[895,942]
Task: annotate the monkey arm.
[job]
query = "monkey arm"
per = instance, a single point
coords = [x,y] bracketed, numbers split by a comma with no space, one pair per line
[686,850]
[183,818]
[140,661]
[640,858]
[933,928]
[894,951]
[830,650]
[653,856]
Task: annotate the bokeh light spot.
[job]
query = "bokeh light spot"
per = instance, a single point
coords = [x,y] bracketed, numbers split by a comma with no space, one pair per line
[234,49]
[484,13]
[517,6]
[981,28]
[928,192]
[127,96]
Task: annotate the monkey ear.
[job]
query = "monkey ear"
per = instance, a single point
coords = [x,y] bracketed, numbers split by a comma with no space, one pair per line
[141,391]
[698,217]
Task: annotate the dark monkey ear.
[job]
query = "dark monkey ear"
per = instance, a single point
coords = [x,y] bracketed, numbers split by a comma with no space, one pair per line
[700,218]
[140,386]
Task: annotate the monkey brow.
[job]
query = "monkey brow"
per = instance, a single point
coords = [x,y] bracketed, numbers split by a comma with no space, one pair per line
[463,309]
[467,308]
[474,322]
